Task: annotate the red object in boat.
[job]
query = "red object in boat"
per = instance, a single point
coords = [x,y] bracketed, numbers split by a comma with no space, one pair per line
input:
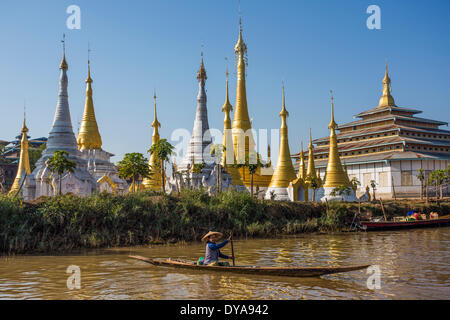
[389,225]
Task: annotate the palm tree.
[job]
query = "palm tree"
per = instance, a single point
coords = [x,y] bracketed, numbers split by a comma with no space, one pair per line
[355,184]
[163,150]
[438,177]
[253,163]
[421,177]
[314,183]
[134,166]
[373,184]
[58,163]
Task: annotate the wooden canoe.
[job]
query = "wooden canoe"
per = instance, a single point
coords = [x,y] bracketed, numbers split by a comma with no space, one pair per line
[391,225]
[269,271]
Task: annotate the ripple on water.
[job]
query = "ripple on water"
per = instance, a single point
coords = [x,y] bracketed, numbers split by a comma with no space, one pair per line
[414,265]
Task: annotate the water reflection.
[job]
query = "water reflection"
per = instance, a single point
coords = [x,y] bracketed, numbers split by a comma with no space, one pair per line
[414,264]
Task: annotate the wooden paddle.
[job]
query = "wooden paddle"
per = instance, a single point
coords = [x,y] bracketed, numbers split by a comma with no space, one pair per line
[232,247]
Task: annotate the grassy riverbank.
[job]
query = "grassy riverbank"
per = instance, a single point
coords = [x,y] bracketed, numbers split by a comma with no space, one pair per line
[65,223]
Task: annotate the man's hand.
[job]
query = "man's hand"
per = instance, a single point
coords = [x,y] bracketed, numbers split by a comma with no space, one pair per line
[230,238]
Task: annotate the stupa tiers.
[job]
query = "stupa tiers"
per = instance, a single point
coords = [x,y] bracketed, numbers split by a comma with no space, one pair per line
[23,169]
[41,182]
[242,137]
[388,144]
[90,144]
[154,182]
[284,172]
[199,148]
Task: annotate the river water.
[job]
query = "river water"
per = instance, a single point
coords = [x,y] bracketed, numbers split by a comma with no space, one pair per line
[414,265]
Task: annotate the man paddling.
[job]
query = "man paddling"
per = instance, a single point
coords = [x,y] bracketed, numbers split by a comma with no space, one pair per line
[213,253]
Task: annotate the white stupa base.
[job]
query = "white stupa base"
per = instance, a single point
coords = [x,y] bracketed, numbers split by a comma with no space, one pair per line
[278,194]
[326,195]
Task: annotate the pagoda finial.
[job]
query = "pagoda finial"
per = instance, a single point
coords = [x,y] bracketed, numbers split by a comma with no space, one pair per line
[333,124]
[201,75]
[155,123]
[64,64]
[284,113]
[386,99]
[23,168]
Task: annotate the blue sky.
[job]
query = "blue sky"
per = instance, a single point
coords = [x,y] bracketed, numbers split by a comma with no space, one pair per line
[314,46]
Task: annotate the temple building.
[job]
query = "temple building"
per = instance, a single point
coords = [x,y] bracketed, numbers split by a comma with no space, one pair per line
[154,182]
[42,182]
[243,143]
[23,169]
[90,145]
[387,145]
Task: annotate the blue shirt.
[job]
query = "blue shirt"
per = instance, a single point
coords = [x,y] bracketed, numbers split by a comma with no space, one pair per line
[213,252]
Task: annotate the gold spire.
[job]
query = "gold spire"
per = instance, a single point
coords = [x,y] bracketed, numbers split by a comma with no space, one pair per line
[154,181]
[201,75]
[311,172]
[301,167]
[335,175]
[88,135]
[284,172]
[241,122]
[386,99]
[64,64]
[24,161]
[226,108]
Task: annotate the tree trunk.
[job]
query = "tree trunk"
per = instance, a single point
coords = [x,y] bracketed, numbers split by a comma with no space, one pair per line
[60,185]
[421,190]
[251,185]
[163,186]
[437,194]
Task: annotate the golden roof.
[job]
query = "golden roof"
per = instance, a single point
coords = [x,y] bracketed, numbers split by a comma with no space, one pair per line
[89,135]
[386,99]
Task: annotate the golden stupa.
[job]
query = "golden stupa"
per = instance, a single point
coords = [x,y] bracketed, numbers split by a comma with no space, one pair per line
[89,136]
[24,162]
[284,172]
[227,137]
[243,141]
[154,181]
[335,175]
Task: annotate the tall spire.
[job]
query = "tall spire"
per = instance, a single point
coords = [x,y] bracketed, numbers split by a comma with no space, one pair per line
[89,135]
[200,142]
[241,122]
[24,160]
[301,167]
[227,140]
[154,181]
[155,124]
[335,175]
[61,135]
[386,99]
[311,172]
[284,171]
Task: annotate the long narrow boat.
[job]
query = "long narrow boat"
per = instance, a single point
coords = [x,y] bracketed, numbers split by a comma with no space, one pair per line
[269,271]
[391,225]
